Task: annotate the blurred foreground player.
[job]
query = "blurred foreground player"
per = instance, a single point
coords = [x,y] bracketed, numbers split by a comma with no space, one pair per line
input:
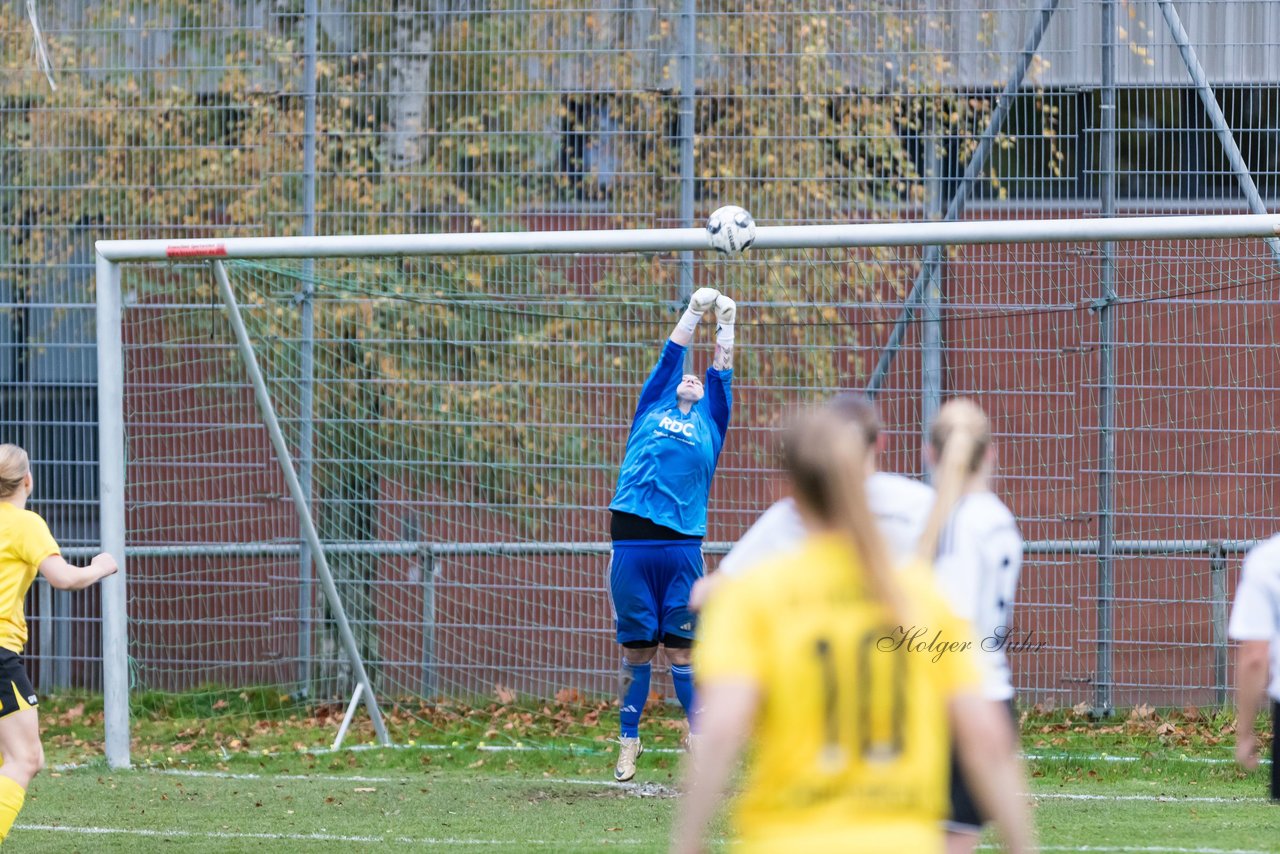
[974,544]
[850,733]
[1255,623]
[900,505]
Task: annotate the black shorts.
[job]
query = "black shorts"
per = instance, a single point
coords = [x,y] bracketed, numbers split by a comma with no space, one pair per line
[16,692]
[965,816]
[1275,751]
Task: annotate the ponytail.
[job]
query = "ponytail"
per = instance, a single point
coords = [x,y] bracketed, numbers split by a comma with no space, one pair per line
[14,467]
[827,459]
[960,436]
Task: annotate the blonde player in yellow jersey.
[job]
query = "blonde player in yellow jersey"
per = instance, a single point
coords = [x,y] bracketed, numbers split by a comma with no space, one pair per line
[26,546]
[850,731]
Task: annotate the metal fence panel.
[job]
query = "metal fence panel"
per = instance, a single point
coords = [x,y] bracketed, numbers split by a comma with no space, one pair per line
[189,119]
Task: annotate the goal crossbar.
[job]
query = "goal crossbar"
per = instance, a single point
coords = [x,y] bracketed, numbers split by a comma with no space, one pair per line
[694,239]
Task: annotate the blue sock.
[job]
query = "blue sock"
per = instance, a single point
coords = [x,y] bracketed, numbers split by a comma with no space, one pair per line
[634,694]
[682,678]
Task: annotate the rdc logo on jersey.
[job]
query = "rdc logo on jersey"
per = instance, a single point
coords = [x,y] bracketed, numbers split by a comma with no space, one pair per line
[684,428]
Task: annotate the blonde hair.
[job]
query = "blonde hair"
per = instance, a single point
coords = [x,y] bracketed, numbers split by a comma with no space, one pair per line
[960,437]
[14,466]
[826,456]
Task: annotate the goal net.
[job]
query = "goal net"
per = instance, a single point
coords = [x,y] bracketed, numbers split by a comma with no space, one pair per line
[456,422]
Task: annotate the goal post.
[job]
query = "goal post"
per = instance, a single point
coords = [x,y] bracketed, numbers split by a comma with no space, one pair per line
[515,599]
[111,513]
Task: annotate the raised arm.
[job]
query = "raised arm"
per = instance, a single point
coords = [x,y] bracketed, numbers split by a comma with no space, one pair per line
[726,315]
[665,376]
[702,301]
[64,576]
[720,374]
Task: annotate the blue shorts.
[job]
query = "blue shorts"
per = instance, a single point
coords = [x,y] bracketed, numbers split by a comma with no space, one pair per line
[649,583]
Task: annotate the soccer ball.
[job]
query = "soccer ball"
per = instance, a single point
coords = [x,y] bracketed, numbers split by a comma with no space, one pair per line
[730,230]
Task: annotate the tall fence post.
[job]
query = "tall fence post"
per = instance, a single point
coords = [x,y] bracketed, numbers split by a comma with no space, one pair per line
[430,675]
[44,633]
[1105,676]
[688,128]
[931,272]
[63,616]
[1218,594]
[306,360]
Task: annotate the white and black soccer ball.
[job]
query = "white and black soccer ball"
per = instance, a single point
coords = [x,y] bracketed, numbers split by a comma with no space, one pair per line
[730,230]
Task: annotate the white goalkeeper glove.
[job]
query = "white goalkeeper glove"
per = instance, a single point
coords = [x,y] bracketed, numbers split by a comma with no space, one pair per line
[726,313]
[700,303]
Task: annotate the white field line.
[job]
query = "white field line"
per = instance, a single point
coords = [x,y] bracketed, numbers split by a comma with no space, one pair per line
[482,746]
[1158,799]
[525,748]
[1107,757]
[646,790]
[312,837]
[539,748]
[354,778]
[657,788]
[642,788]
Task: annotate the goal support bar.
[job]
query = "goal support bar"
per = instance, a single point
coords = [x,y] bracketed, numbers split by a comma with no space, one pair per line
[309,534]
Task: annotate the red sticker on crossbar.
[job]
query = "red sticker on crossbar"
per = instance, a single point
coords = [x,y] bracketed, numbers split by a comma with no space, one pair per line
[205,250]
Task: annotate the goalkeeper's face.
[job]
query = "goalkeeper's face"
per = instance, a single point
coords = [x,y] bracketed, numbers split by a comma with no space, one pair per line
[690,388]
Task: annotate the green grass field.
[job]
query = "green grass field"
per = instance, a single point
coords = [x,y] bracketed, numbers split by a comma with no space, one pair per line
[1147,783]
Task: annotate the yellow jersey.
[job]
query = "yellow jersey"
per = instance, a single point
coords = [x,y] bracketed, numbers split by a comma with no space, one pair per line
[851,744]
[25,541]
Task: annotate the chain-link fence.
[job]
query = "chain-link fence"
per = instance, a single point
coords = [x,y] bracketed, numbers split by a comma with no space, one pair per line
[180,118]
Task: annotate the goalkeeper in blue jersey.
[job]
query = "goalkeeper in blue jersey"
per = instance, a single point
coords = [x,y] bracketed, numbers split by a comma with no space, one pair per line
[659,514]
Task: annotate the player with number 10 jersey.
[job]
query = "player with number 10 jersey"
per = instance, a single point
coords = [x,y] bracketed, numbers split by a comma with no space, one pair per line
[850,727]
[851,741]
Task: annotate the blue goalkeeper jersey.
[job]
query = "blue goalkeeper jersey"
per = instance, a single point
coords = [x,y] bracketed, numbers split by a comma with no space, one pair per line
[671,455]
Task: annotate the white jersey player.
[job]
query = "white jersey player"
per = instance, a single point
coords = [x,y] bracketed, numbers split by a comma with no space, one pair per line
[1255,622]
[900,504]
[976,549]
[977,565]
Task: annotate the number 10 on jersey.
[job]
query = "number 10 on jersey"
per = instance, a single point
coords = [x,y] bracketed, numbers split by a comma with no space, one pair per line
[864,700]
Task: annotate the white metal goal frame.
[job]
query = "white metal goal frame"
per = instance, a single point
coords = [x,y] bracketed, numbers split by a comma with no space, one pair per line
[112,254]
